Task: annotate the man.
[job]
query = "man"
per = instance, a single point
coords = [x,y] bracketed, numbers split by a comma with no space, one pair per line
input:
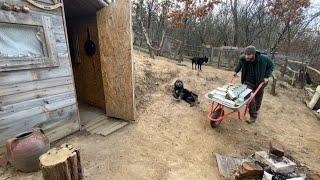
[255,68]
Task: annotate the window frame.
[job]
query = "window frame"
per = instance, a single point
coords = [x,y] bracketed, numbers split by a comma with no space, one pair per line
[49,45]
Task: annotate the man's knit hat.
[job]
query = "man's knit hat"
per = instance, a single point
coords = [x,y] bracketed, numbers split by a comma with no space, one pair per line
[250,50]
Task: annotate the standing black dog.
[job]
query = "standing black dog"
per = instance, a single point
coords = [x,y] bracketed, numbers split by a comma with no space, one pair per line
[181,93]
[198,61]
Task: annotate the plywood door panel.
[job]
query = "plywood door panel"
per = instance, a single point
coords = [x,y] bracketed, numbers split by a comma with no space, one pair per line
[115,35]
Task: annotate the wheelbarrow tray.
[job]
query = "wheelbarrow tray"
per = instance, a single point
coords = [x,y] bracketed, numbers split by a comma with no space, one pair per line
[236,108]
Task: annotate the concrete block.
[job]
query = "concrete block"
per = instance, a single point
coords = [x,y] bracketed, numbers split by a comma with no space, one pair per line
[284,166]
[297,178]
[268,176]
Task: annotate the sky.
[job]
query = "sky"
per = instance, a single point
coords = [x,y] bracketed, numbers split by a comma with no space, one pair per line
[315,5]
[314,8]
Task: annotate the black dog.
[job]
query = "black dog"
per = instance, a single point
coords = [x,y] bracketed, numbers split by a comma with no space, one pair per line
[198,61]
[180,93]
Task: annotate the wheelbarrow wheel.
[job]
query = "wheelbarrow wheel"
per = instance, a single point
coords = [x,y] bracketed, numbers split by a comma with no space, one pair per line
[216,114]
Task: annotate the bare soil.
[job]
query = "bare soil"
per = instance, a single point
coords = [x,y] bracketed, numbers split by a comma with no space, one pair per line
[171,140]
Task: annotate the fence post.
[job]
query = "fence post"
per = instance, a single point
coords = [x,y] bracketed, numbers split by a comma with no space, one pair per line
[302,76]
[219,58]
[293,78]
[284,68]
[211,55]
[179,50]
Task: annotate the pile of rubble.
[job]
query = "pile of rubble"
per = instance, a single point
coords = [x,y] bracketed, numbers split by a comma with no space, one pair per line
[272,165]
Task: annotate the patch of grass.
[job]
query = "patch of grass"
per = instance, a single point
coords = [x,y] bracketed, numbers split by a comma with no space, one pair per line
[312,86]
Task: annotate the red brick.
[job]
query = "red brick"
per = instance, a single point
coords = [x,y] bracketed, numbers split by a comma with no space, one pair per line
[250,170]
[276,148]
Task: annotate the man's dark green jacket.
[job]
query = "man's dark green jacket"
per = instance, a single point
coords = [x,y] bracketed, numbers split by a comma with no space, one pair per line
[263,69]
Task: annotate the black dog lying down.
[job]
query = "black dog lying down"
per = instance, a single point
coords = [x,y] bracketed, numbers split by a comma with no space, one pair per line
[180,93]
[198,61]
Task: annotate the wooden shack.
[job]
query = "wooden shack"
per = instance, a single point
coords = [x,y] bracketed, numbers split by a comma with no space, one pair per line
[59,58]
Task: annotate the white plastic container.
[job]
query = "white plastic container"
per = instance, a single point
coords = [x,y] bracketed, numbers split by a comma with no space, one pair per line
[315,98]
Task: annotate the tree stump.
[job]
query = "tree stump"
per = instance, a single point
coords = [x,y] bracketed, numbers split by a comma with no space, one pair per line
[62,163]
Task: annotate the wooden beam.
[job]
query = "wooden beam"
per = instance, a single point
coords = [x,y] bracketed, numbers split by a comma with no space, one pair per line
[115,34]
[313,69]
[309,67]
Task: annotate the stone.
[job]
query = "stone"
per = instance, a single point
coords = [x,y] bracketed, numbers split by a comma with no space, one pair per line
[6,6]
[250,170]
[276,148]
[313,177]
[283,166]
[25,9]
[16,8]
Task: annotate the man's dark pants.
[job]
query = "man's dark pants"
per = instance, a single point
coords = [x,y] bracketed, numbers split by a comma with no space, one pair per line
[256,101]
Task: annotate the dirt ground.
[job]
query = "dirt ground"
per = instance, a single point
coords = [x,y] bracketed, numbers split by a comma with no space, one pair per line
[171,140]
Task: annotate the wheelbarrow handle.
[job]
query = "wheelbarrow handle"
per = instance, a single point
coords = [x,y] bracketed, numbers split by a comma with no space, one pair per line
[256,91]
[233,79]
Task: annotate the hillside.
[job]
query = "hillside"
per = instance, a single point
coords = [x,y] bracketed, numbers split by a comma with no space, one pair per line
[171,140]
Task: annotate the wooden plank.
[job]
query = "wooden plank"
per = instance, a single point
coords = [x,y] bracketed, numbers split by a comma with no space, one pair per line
[37,120]
[13,108]
[100,123]
[7,120]
[77,124]
[115,34]
[108,131]
[106,125]
[16,98]
[313,69]
[60,118]
[34,85]
[51,121]
[35,74]
[94,121]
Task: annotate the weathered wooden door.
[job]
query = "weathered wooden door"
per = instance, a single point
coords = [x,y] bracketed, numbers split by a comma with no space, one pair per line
[115,35]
